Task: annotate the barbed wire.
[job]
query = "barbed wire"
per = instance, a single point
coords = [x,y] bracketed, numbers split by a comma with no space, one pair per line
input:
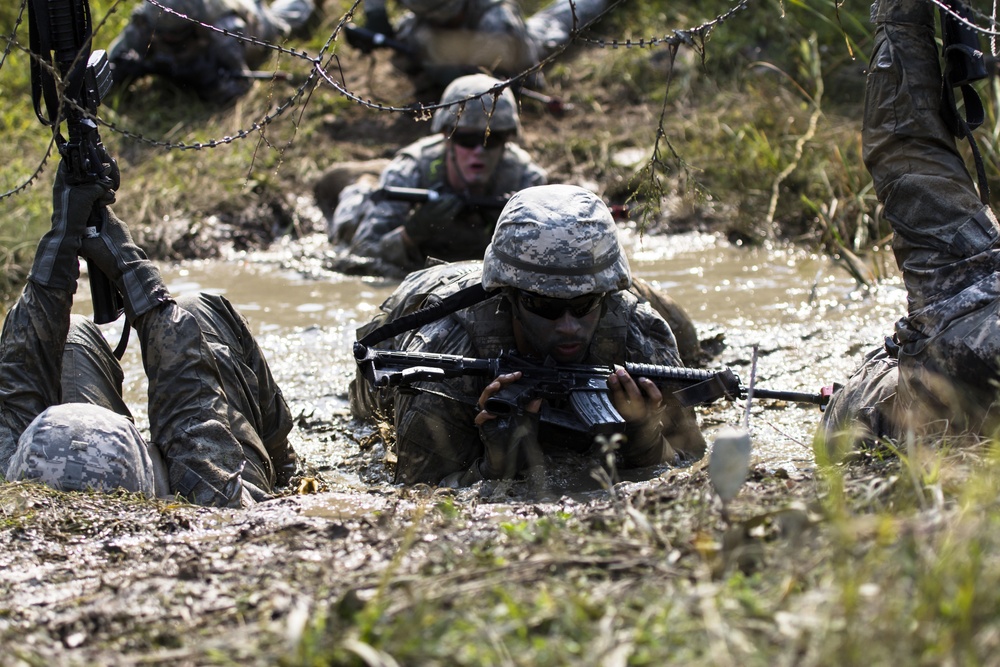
[677,38]
[13,33]
[327,59]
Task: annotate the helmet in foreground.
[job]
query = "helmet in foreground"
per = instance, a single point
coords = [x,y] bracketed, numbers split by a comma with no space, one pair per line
[496,112]
[556,240]
[78,447]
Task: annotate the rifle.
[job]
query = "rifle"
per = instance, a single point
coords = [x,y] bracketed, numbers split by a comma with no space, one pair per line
[422,196]
[60,34]
[585,387]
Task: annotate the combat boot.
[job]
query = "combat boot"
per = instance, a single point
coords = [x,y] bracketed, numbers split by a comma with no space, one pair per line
[901,12]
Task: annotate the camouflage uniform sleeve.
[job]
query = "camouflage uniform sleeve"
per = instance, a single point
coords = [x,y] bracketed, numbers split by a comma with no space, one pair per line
[436,435]
[379,233]
[674,435]
[31,345]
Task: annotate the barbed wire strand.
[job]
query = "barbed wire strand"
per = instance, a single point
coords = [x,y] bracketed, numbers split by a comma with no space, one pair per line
[319,74]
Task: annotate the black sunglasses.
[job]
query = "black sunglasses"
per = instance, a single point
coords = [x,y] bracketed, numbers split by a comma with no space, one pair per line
[553,309]
[488,141]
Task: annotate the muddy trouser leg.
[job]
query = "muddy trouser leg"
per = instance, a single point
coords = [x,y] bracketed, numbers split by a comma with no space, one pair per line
[944,238]
[188,410]
[258,414]
[90,371]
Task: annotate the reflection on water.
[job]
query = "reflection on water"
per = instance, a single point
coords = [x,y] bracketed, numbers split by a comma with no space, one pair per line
[810,320]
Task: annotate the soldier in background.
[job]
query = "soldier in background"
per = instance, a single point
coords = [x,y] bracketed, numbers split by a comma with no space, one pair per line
[473,164]
[445,39]
[218,422]
[217,67]
[557,280]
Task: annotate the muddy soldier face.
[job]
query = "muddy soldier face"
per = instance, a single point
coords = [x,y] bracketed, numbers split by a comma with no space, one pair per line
[477,130]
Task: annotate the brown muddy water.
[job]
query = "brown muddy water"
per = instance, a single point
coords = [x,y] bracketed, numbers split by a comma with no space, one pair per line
[810,320]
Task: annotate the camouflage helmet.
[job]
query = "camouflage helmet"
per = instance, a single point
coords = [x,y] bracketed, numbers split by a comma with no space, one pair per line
[436,11]
[79,446]
[556,240]
[497,113]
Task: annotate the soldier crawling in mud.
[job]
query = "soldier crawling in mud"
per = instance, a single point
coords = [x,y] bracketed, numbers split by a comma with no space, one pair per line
[556,281]
[470,156]
[937,376]
[218,422]
[441,40]
[217,67]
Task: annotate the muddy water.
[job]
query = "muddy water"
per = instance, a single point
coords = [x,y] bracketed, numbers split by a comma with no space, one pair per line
[808,317]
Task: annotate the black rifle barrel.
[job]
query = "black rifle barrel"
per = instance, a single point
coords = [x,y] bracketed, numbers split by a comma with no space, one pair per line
[394,367]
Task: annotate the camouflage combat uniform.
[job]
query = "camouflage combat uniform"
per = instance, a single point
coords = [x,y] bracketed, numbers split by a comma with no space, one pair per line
[435,432]
[945,241]
[216,416]
[457,37]
[421,165]
[211,63]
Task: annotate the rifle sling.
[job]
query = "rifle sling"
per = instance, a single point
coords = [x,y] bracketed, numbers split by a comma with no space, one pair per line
[963,65]
[463,298]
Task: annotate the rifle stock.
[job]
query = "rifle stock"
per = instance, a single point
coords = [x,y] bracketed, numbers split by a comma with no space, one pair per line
[585,387]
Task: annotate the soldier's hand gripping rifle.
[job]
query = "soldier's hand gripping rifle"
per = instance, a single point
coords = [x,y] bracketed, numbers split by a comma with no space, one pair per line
[60,33]
[583,388]
[422,196]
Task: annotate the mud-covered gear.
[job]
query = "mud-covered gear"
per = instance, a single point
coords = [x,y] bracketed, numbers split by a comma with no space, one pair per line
[80,447]
[219,415]
[435,432]
[113,251]
[559,241]
[422,165]
[212,64]
[431,219]
[56,264]
[946,243]
[492,112]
